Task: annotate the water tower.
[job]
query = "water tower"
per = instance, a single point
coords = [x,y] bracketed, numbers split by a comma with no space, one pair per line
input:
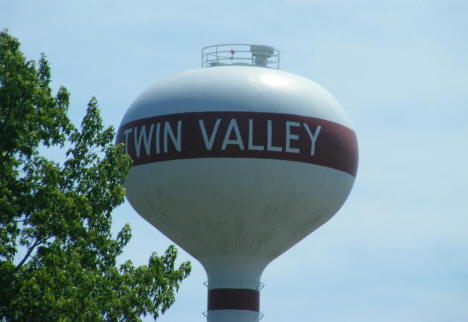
[236,162]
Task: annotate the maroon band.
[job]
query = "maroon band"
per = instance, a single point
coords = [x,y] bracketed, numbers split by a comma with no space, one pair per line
[241,135]
[233,299]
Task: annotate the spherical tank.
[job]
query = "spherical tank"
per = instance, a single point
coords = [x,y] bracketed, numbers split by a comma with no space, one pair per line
[236,163]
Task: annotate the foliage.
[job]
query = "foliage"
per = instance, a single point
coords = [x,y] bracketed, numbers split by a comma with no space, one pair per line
[57,253]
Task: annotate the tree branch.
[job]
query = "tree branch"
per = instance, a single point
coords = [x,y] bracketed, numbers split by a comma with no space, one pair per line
[28,253]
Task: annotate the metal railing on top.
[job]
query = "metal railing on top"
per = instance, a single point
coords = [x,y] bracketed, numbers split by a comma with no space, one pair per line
[240,55]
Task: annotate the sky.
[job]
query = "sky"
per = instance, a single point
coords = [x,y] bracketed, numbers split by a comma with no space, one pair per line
[398,249]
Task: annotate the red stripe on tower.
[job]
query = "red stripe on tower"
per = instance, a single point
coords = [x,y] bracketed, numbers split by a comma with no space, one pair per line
[233,299]
[241,135]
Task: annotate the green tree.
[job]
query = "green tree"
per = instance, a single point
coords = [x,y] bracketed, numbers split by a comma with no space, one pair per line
[57,253]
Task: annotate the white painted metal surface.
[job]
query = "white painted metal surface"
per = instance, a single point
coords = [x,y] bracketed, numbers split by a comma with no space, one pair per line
[234,214]
[237,88]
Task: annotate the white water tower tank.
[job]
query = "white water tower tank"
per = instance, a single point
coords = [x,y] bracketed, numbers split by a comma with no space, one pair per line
[236,162]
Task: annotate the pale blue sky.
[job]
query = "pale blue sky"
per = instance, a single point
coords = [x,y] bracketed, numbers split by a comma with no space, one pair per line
[398,249]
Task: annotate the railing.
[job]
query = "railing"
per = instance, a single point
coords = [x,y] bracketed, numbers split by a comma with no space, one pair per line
[258,316]
[259,287]
[240,55]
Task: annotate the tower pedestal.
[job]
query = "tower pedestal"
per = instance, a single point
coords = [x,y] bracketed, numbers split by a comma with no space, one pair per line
[234,289]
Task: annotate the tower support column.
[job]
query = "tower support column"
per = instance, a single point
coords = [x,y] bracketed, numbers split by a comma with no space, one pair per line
[234,289]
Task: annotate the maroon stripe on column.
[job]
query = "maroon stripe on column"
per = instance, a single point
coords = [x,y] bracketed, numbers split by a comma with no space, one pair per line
[241,135]
[233,299]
